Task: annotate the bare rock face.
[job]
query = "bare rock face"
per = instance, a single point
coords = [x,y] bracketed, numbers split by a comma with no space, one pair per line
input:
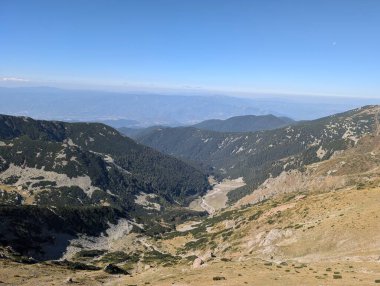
[207,256]
[229,224]
[198,262]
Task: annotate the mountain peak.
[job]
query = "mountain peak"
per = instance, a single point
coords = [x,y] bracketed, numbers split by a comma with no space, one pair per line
[244,123]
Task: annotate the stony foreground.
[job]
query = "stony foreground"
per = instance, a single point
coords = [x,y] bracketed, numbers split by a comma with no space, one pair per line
[250,272]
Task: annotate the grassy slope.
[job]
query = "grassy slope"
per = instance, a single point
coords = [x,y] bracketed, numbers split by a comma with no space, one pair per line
[344,243]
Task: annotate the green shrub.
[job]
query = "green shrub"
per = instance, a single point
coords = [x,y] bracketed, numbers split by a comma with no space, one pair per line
[116,257]
[89,253]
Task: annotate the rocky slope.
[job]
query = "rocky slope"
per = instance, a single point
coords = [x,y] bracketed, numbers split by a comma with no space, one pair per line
[328,211]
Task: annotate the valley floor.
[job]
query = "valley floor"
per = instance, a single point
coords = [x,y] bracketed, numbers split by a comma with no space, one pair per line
[216,199]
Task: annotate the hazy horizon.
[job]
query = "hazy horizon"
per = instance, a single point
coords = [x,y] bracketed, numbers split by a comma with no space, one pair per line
[158,108]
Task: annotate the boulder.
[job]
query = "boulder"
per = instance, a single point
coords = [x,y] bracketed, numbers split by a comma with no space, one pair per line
[197,262]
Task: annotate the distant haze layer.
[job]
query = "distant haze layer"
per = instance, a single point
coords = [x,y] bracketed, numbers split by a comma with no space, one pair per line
[139,110]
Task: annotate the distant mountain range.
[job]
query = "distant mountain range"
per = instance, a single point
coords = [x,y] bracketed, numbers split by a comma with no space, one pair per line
[245,123]
[143,110]
[135,133]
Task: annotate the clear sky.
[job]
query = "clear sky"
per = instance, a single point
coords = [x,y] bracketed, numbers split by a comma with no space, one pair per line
[280,46]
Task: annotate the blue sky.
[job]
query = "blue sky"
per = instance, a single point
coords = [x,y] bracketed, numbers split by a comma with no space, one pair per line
[327,47]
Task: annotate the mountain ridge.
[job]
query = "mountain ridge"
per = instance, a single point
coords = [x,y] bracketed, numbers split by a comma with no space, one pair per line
[238,124]
[244,123]
[81,170]
[259,155]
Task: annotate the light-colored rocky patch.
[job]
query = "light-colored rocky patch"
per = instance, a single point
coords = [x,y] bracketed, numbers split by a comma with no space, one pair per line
[321,152]
[142,200]
[108,159]
[27,174]
[60,158]
[74,159]
[106,241]
[216,198]
[69,142]
[286,182]
[61,154]
[196,205]
[187,226]
[349,134]
[267,241]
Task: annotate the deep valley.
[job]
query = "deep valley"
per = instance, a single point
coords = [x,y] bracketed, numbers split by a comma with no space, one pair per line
[81,203]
